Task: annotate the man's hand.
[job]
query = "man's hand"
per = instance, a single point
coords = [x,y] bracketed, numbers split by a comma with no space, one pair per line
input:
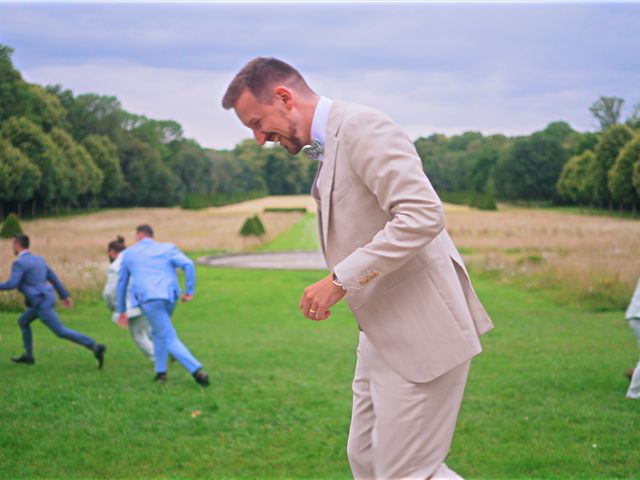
[123,320]
[187,297]
[319,298]
[67,302]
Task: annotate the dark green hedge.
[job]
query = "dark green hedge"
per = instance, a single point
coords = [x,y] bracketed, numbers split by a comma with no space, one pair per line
[483,201]
[10,227]
[194,201]
[285,210]
[252,227]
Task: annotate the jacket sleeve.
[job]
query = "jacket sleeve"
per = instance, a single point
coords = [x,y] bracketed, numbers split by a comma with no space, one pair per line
[123,284]
[633,310]
[385,160]
[17,271]
[180,260]
[57,284]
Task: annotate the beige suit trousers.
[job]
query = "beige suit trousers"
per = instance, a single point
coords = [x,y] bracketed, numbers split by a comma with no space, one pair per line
[400,429]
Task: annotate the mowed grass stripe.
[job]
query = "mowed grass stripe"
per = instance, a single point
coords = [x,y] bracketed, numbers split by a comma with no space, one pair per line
[302,236]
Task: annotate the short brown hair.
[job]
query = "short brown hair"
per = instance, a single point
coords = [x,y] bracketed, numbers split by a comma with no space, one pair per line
[22,240]
[258,76]
[146,229]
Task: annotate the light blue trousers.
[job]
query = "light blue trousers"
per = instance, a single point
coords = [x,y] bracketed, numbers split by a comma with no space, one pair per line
[165,338]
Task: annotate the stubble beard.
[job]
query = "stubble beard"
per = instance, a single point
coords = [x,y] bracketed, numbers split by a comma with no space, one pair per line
[295,144]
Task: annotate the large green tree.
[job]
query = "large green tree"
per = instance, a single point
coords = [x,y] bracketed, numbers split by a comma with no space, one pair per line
[233,174]
[46,110]
[529,168]
[461,163]
[192,166]
[620,180]
[572,184]
[635,177]
[92,114]
[105,154]
[15,96]
[36,145]
[19,177]
[86,178]
[149,181]
[609,145]
[607,111]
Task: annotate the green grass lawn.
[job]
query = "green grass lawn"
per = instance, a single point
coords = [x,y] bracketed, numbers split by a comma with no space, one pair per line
[545,399]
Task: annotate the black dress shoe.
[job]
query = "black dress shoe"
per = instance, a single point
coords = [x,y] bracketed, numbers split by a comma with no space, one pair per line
[24,358]
[160,377]
[98,352]
[202,378]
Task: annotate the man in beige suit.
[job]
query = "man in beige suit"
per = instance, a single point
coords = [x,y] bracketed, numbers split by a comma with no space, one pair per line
[382,233]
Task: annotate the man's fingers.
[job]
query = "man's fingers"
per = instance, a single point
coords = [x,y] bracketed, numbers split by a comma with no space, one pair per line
[317,317]
[306,305]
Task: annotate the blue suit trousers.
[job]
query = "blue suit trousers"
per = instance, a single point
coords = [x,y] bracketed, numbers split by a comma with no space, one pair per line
[165,338]
[49,317]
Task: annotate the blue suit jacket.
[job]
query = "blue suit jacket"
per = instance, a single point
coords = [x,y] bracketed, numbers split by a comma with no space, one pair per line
[150,266]
[31,275]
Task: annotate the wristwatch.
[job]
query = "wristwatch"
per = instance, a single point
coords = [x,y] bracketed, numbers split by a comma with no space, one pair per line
[336,282]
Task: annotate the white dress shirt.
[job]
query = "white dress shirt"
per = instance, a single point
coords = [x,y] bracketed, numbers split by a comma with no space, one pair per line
[319,125]
[321,119]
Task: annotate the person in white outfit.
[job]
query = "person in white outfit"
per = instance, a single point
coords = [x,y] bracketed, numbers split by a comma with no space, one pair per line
[633,317]
[139,326]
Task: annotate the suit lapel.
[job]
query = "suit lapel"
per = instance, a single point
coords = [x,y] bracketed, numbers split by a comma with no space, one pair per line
[328,165]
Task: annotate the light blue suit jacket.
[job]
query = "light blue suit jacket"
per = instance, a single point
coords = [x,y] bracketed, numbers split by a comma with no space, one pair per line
[150,266]
[31,275]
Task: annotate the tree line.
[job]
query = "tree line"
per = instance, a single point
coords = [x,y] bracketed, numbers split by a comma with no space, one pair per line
[555,165]
[60,151]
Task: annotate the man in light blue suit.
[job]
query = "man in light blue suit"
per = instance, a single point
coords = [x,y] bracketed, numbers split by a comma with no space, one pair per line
[31,275]
[150,266]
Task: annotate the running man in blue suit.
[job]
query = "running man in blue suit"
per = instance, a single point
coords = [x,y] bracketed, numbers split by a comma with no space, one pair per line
[150,266]
[31,275]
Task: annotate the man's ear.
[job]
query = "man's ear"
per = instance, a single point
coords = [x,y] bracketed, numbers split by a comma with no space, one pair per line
[284,96]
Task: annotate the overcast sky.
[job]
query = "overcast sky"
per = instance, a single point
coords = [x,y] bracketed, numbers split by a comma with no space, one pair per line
[509,68]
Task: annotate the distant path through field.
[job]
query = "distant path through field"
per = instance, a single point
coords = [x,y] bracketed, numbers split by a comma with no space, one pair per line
[269,261]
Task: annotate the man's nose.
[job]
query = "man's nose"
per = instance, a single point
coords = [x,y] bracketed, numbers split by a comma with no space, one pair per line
[261,137]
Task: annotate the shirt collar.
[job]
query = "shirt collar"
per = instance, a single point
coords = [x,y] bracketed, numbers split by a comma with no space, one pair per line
[23,252]
[321,119]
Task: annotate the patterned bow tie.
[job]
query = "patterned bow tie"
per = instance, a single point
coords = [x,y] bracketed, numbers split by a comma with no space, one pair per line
[315,150]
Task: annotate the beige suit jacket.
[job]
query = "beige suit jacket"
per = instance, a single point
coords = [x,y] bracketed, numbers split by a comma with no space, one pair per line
[382,232]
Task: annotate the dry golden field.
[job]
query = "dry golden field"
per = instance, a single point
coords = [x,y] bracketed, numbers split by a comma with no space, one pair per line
[591,260]
[75,247]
